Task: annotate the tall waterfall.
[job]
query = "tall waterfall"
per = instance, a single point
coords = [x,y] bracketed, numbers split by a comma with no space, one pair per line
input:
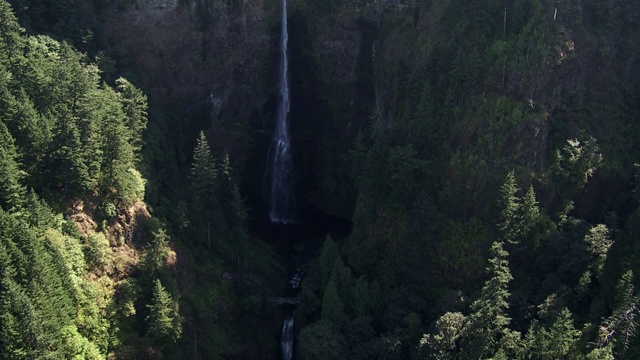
[280,208]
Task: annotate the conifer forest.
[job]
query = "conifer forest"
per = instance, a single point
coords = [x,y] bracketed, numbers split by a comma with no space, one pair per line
[320,179]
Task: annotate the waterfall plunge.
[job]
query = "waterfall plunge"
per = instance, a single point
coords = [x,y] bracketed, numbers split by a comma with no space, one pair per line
[280,208]
[286,339]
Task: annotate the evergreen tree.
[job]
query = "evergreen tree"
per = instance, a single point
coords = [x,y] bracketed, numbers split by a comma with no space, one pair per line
[203,169]
[442,345]
[12,192]
[598,244]
[73,173]
[320,340]
[487,328]
[164,323]
[509,224]
[204,185]
[329,255]
[228,196]
[33,133]
[18,330]
[530,211]
[11,40]
[119,155]
[134,105]
[153,263]
[332,306]
[39,292]
[38,214]
[619,329]
[559,341]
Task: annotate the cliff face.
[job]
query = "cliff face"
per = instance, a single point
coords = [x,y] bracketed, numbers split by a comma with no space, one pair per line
[182,58]
[386,64]
[222,56]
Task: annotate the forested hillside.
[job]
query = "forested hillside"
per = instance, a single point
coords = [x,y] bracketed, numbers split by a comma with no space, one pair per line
[86,271]
[486,153]
[497,210]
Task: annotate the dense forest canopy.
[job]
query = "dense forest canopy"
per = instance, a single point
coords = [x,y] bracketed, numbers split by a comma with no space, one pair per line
[485,151]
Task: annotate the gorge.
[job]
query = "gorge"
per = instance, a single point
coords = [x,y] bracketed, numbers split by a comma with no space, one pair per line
[407,179]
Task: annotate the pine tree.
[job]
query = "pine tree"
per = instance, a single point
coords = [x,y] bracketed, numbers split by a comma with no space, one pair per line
[11,40]
[118,152]
[228,196]
[134,105]
[39,291]
[38,214]
[530,211]
[555,342]
[332,306]
[204,185]
[71,167]
[619,329]
[487,329]
[203,169]
[18,330]
[164,323]
[32,132]
[12,192]
[509,224]
[598,244]
[320,340]
[442,345]
[329,255]
[155,257]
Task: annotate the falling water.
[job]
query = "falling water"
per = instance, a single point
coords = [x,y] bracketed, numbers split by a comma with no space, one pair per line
[286,339]
[280,209]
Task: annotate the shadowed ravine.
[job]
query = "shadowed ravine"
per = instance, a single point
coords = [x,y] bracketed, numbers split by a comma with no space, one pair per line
[296,245]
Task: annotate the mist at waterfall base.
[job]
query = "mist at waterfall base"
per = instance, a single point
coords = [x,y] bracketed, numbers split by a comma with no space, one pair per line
[281,166]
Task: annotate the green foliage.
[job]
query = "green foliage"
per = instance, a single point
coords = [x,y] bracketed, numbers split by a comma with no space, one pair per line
[487,329]
[74,134]
[321,341]
[155,258]
[556,342]
[454,100]
[598,244]
[510,204]
[11,39]
[518,215]
[164,321]
[38,296]
[107,211]
[134,105]
[12,192]
[619,329]
[443,342]
[576,163]
[332,306]
[203,170]
[97,251]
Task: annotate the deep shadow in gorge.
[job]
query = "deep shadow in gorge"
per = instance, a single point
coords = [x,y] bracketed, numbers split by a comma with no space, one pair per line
[296,245]
[319,138]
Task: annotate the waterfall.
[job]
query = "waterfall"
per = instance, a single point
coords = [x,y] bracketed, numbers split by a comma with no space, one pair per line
[286,339]
[280,208]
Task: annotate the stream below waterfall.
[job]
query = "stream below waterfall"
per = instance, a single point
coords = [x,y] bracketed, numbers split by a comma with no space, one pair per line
[296,244]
